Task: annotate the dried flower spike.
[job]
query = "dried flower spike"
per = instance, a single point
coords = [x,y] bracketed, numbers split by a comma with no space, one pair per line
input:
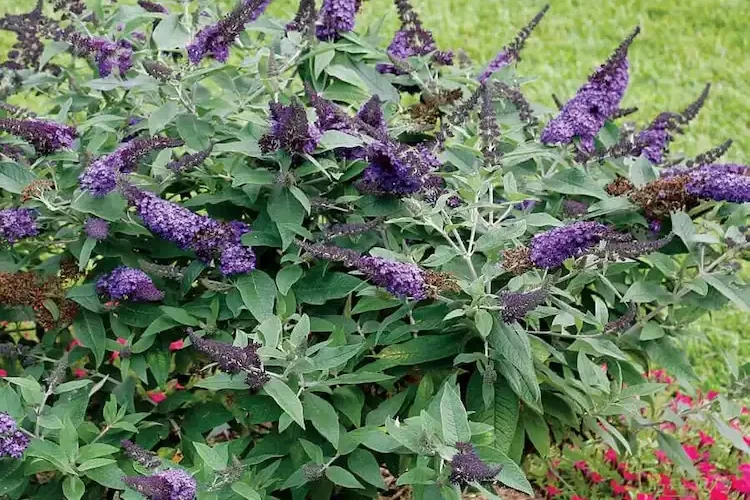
[46,136]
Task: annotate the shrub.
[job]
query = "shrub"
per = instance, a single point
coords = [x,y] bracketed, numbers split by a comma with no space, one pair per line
[266,258]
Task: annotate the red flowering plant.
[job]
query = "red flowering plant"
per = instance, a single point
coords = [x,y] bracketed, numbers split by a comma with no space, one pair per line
[688,452]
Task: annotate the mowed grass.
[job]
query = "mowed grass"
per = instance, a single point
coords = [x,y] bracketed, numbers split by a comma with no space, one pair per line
[684,44]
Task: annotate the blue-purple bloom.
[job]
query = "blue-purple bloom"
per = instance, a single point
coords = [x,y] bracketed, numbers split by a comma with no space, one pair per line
[329,116]
[96,228]
[13,442]
[46,136]
[214,40]
[172,484]
[17,224]
[512,52]
[594,103]
[720,184]
[551,248]
[336,17]
[154,7]
[100,178]
[208,238]
[107,54]
[399,278]
[396,170]
[290,130]
[126,283]
[516,305]
[467,467]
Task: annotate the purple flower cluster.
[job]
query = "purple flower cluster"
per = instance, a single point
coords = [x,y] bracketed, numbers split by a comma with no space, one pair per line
[214,40]
[154,7]
[399,278]
[13,442]
[467,467]
[551,248]
[290,130]
[574,208]
[395,170]
[512,52]
[172,484]
[126,283]
[17,223]
[594,103]
[107,54]
[140,455]
[208,238]
[329,116]
[517,305]
[46,136]
[233,359]
[720,183]
[97,229]
[305,18]
[100,177]
[189,161]
[336,17]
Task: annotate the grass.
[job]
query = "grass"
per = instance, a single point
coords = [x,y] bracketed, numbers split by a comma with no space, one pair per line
[684,44]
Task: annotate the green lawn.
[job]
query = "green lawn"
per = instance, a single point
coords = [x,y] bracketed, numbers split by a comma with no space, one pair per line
[684,44]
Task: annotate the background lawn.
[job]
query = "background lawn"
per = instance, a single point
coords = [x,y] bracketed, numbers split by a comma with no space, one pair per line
[684,44]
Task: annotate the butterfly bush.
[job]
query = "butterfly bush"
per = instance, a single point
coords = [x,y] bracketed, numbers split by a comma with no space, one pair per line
[255,257]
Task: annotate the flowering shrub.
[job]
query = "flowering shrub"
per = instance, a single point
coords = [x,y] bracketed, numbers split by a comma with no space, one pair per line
[269,259]
[682,457]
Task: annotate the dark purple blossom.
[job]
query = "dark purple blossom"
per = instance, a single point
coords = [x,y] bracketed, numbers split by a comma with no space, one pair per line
[305,18]
[189,161]
[17,223]
[46,136]
[172,484]
[354,229]
[551,248]
[13,442]
[594,103]
[467,467]
[214,40]
[154,7]
[97,229]
[511,53]
[100,177]
[331,253]
[574,208]
[396,170]
[290,130]
[126,283]
[719,184]
[623,322]
[208,238]
[399,278]
[336,17]
[371,113]
[233,359]
[140,455]
[329,116]
[517,305]
[107,54]
[712,155]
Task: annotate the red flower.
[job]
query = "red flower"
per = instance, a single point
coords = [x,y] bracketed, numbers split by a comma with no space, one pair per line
[581,466]
[719,492]
[176,345]
[665,480]
[711,395]
[617,488]
[157,396]
[595,478]
[73,344]
[80,373]
[629,476]
[661,457]
[689,485]
[610,456]
[692,452]
[706,440]
[552,491]
[741,484]
[645,496]
[3,373]
[706,468]
[122,340]
[576,497]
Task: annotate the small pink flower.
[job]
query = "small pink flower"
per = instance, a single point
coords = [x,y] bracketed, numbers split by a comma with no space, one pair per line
[691,452]
[706,468]
[595,477]
[719,492]
[581,466]
[630,477]
[661,457]
[176,345]
[689,485]
[552,491]
[80,373]
[122,341]
[178,386]
[73,344]
[3,373]
[741,484]
[617,488]
[711,395]
[576,497]
[610,456]
[665,480]
[645,496]
[157,396]
[706,440]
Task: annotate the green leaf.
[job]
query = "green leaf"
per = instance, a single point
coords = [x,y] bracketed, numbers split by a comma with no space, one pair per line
[575,181]
[30,389]
[223,381]
[258,293]
[682,226]
[211,457]
[453,417]
[652,331]
[739,297]
[109,476]
[162,116]
[246,491]
[170,33]
[329,358]
[179,315]
[333,139]
[503,414]
[646,291]
[483,322]
[110,207]
[418,475]
[511,474]
[14,178]
[673,448]
[666,354]
[323,417]
[73,488]
[342,477]
[95,463]
[52,453]
[316,289]
[365,465]
[287,277]
[10,403]
[195,132]
[538,432]
[86,249]
[96,450]
[89,330]
[416,351]
[270,329]
[286,399]
[300,331]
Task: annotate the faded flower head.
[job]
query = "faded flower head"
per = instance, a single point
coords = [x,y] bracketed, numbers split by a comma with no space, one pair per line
[290,130]
[631,249]
[516,305]
[171,484]
[126,283]
[663,196]
[154,7]
[17,224]
[96,228]
[517,260]
[467,467]
[623,322]
[399,278]
[13,442]
[336,17]
[46,136]
[551,248]
[140,455]
[594,103]
[304,19]
[214,40]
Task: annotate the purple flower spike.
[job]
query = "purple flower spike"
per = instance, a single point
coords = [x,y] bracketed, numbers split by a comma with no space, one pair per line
[517,305]
[46,136]
[511,53]
[336,17]
[214,40]
[467,467]
[290,130]
[396,171]
[100,178]
[108,55]
[399,278]
[719,185]
[208,238]
[17,224]
[233,359]
[12,441]
[594,103]
[97,229]
[140,455]
[172,484]
[329,116]
[126,283]
[154,7]
[551,248]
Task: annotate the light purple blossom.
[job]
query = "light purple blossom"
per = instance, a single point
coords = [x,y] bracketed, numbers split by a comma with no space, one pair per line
[172,484]
[46,136]
[17,224]
[719,185]
[551,248]
[13,442]
[126,283]
[399,278]
[336,17]
[97,229]
[107,54]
